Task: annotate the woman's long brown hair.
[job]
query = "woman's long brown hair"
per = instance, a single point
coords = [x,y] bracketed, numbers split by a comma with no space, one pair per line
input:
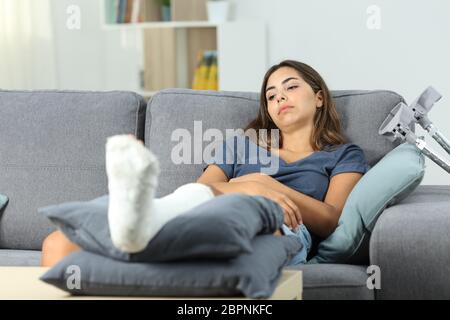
[327,125]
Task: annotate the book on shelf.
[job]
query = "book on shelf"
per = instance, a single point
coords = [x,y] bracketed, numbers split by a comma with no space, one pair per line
[121,12]
[136,11]
[131,11]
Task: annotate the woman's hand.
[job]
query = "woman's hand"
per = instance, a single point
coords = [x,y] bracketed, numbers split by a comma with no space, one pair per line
[292,215]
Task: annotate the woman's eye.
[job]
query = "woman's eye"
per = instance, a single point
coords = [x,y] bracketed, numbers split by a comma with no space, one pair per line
[292,87]
[270,98]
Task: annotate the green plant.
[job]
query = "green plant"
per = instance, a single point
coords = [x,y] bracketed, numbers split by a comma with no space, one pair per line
[165,3]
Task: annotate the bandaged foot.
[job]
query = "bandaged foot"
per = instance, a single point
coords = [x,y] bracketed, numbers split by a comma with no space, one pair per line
[134,216]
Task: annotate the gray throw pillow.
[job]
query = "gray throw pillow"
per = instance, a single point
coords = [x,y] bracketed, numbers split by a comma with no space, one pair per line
[222,227]
[253,275]
[3,202]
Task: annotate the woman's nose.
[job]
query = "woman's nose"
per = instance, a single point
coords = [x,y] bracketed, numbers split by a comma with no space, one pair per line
[281,98]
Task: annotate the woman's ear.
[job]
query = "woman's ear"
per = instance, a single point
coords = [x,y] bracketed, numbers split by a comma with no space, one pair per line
[319,99]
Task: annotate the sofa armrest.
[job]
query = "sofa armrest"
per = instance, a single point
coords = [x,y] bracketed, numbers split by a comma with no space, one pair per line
[411,245]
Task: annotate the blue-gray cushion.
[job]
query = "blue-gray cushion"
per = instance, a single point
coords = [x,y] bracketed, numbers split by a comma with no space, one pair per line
[254,274]
[222,227]
[392,179]
[3,202]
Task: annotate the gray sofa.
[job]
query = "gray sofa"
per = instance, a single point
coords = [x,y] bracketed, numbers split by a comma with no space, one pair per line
[52,146]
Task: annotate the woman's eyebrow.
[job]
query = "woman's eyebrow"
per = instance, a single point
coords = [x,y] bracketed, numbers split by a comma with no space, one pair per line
[284,81]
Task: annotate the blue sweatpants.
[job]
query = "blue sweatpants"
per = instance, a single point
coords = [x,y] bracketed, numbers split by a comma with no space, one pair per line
[303,234]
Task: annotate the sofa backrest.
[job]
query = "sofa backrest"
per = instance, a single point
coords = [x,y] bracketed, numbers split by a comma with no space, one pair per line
[52,143]
[52,150]
[362,112]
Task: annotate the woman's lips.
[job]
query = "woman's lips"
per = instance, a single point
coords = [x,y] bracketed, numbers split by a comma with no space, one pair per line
[283,109]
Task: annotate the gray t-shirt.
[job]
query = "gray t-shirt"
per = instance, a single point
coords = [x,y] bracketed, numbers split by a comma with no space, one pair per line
[239,155]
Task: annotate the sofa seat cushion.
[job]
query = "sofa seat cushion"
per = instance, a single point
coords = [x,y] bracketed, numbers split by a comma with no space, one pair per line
[20,258]
[334,282]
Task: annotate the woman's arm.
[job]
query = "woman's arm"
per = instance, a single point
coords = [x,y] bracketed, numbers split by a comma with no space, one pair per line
[216,178]
[319,217]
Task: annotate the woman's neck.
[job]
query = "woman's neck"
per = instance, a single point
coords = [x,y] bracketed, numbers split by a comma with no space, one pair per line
[298,141]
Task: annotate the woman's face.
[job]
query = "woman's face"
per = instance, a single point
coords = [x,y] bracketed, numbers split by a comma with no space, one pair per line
[291,100]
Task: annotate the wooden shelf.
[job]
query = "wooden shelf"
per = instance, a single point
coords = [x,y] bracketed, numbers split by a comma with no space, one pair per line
[170,50]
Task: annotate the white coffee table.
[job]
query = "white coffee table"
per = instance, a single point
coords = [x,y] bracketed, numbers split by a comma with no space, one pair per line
[22,283]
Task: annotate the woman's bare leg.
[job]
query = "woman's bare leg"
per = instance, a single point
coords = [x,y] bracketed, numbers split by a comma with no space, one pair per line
[277,233]
[55,247]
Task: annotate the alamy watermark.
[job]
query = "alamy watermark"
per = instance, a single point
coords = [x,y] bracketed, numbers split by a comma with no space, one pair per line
[73,21]
[374,19]
[229,149]
[374,279]
[73,281]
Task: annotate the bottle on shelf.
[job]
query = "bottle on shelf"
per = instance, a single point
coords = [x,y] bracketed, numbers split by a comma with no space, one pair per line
[205,75]
[212,74]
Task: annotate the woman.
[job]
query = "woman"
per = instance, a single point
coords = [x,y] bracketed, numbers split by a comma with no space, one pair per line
[316,173]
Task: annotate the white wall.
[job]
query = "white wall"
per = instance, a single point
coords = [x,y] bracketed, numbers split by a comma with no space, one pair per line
[27,59]
[92,58]
[408,53]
